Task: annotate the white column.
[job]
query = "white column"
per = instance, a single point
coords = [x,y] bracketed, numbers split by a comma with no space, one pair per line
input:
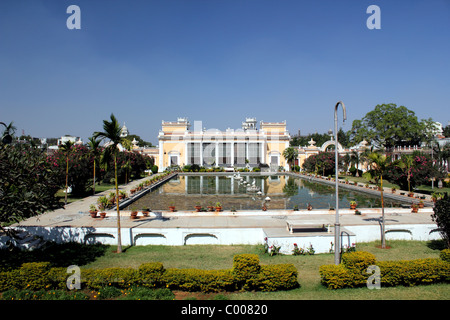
[217,154]
[201,153]
[232,154]
[161,155]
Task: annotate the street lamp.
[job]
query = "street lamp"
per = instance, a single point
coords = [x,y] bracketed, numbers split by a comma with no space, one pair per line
[337,225]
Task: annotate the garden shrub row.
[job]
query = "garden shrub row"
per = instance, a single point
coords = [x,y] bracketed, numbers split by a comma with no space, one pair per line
[246,274]
[352,272]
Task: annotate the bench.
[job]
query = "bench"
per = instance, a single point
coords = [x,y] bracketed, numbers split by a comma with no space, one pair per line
[303,226]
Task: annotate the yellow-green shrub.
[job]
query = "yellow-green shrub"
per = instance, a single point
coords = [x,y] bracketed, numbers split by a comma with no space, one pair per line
[445,255]
[246,274]
[336,276]
[151,274]
[357,263]
[277,277]
[414,272]
[352,271]
[246,269]
[117,277]
[199,280]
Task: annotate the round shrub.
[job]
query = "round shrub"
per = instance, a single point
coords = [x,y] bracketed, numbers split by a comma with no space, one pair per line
[246,270]
[445,255]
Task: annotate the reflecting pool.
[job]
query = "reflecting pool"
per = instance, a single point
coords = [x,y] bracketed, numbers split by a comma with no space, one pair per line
[248,192]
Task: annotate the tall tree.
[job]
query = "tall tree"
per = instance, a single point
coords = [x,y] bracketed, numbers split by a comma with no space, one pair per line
[379,162]
[94,145]
[111,131]
[290,154]
[66,148]
[388,126]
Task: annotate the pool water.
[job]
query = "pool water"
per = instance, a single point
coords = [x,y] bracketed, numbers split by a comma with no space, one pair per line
[241,193]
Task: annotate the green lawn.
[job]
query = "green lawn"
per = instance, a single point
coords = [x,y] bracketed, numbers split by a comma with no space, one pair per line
[221,257]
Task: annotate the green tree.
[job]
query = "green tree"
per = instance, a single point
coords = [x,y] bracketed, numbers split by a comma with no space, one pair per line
[290,154]
[28,183]
[66,148]
[388,126]
[441,216]
[378,163]
[94,145]
[112,131]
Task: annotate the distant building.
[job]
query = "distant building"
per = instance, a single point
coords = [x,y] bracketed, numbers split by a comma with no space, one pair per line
[245,147]
[64,139]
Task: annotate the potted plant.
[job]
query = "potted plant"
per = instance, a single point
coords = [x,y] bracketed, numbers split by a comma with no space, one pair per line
[93,211]
[134,213]
[415,208]
[357,212]
[211,207]
[145,211]
[102,205]
[421,204]
[172,207]
[264,207]
[295,208]
[218,207]
[352,205]
[309,207]
[410,194]
[393,189]
[198,207]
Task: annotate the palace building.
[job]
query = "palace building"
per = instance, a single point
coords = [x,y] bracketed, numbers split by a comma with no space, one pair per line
[249,146]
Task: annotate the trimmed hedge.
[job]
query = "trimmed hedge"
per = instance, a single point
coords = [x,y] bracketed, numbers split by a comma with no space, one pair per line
[246,274]
[352,272]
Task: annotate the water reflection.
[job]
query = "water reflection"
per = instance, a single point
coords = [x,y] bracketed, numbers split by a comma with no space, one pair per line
[248,192]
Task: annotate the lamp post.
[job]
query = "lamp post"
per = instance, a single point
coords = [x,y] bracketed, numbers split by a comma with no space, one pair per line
[337,225]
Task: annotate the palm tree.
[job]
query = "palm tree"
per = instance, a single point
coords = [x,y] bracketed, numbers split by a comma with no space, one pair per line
[355,159]
[290,154]
[66,147]
[379,162]
[94,144]
[406,162]
[111,131]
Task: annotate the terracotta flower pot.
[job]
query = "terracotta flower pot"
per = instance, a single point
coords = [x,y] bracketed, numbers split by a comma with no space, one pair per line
[93,214]
[218,209]
[102,215]
[172,208]
[134,214]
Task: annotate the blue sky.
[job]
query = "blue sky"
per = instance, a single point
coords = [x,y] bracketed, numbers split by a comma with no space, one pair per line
[218,61]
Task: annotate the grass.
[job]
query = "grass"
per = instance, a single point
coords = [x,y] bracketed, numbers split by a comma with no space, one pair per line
[221,257]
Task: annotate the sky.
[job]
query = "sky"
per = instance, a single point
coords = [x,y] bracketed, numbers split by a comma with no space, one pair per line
[218,61]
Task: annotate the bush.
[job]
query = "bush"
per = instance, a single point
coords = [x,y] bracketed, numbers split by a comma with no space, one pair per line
[27,294]
[277,277]
[199,280]
[357,263]
[246,274]
[445,255]
[246,269]
[335,276]
[141,293]
[414,272]
[441,216]
[118,277]
[352,272]
[151,274]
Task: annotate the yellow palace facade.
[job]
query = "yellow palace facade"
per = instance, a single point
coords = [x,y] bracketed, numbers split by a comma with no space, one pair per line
[249,146]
